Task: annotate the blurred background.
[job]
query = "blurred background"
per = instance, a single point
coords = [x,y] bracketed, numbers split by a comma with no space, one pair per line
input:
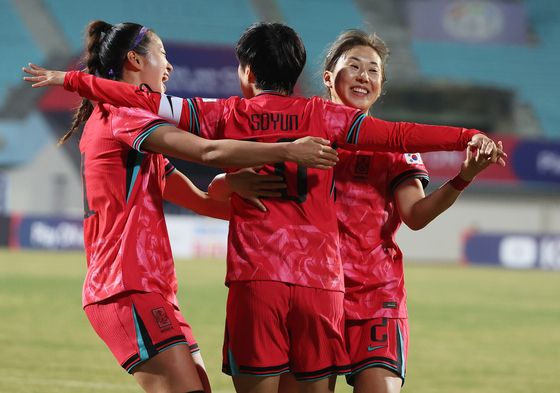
[490,65]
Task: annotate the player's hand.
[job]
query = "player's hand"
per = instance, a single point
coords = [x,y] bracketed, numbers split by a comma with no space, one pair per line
[475,163]
[488,149]
[251,185]
[43,77]
[313,152]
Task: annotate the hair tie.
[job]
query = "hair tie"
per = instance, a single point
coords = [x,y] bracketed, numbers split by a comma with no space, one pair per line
[111,72]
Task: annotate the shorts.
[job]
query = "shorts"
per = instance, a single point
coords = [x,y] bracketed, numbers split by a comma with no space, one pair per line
[137,326]
[274,327]
[378,342]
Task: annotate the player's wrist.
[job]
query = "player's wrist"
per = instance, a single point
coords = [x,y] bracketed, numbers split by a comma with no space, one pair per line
[459,183]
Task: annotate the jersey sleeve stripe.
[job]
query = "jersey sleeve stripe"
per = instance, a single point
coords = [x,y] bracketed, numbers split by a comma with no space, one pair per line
[193,117]
[411,174]
[148,129]
[355,128]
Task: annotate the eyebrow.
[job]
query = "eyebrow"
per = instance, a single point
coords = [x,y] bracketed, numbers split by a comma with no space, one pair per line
[359,59]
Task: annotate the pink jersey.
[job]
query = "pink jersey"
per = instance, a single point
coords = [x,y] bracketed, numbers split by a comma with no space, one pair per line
[296,240]
[368,220]
[126,240]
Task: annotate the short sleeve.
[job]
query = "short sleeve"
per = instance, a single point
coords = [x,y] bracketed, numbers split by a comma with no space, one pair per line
[133,125]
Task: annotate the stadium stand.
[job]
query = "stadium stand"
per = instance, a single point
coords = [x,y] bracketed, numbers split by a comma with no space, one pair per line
[530,70]
[318,28]
[198,22]
[17,48]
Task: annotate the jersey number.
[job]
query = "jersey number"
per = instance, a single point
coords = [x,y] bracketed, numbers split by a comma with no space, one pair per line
[282,169]
[374,332]
[87,211]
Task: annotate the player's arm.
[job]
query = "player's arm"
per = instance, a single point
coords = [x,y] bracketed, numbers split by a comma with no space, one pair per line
[248,184]
[369,133]
[418,210]
[182,192]
[93,88]
[311,152]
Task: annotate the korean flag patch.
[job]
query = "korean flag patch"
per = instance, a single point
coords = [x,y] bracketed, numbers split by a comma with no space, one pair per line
[413,158]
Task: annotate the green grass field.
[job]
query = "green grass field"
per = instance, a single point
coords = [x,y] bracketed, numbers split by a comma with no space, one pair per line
[472,329]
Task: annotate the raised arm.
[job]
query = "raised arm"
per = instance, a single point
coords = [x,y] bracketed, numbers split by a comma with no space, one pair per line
[368,133]
[417,210]
[93,88]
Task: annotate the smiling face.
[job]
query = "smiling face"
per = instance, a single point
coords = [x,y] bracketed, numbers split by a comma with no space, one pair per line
[356,79]
[155,67]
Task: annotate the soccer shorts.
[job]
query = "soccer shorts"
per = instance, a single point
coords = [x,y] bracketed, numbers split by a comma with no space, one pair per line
[378,342]
[274,327]
[138,325]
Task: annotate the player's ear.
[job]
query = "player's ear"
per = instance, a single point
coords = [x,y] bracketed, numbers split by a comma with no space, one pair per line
[327,79]
[249,74]
[134,60]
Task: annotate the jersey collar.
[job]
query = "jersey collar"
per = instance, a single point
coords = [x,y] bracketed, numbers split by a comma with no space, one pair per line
[270,92]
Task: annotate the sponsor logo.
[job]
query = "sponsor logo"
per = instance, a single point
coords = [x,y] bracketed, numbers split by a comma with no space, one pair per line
[161,317]
[370,348]
[390,305]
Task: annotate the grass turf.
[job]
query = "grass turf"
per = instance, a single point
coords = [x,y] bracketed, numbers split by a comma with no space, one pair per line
[472,329]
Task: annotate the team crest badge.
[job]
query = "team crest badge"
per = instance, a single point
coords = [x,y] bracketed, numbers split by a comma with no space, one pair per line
[362,165]
[413,158]
[161,317]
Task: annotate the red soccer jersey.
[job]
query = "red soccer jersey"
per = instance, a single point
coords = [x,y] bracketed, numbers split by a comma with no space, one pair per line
[126,241]
[368,220]
[296,241]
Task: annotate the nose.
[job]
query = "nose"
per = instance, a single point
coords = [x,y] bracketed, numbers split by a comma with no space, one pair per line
[169,67]
[363,76]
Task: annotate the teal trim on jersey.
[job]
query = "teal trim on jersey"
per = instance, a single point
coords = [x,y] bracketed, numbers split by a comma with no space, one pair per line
[142,351]
[135,171]
[232,364]
[401,340]
[376,364]
[193,119]
[355,129]
[142,137]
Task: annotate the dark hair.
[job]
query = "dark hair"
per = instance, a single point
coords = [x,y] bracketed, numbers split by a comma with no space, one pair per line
[347,40]
[275,53]
[107,47]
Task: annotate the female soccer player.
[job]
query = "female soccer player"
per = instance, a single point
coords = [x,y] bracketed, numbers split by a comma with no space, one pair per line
[375,193]
[129,293]
[285,302]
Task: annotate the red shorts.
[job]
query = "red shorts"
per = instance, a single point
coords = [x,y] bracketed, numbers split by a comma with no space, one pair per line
[379,342]
[137,326]
[274,327]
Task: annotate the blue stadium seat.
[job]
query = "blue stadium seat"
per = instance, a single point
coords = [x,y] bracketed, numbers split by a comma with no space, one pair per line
[531,70]
[185,21]
[16,46]
[330,17]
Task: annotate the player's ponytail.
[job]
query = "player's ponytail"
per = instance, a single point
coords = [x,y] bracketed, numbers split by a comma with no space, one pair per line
[106,52]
